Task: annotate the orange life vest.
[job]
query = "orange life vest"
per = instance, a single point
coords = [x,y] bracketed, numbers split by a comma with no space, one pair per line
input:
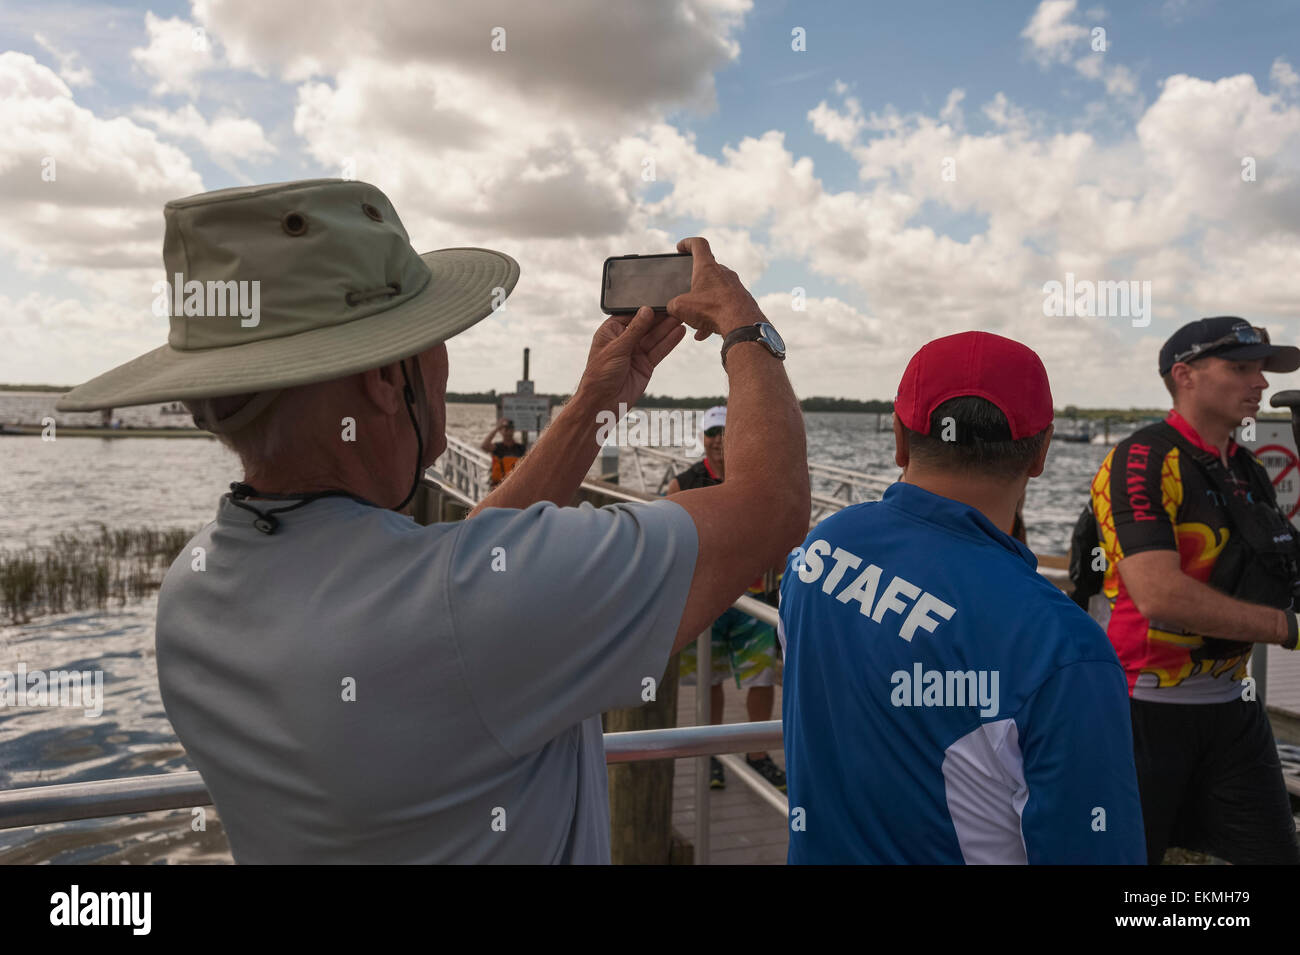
[504,459]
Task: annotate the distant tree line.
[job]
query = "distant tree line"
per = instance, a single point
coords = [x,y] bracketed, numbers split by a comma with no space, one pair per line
[58,388]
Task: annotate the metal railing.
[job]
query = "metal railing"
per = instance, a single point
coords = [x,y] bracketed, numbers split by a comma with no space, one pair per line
[466,468]
[67,802]
[41,805]
[833,487]
[664,463]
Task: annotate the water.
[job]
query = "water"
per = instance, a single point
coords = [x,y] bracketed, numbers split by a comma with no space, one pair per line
[62,485]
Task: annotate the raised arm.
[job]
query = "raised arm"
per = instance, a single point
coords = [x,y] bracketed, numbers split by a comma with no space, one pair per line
[752,520]
[624,353]
[487,442]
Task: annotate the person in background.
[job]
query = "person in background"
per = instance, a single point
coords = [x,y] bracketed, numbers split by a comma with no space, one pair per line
[743,647]
[943,702]
[1176,503]
[505,453]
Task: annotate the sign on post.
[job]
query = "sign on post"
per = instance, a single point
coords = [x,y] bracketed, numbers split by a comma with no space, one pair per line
[1274,445]
[530,413]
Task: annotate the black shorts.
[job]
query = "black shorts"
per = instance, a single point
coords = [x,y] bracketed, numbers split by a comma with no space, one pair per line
[1210,781]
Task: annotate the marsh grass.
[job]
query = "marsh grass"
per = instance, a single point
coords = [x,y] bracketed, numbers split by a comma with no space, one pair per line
[77,571]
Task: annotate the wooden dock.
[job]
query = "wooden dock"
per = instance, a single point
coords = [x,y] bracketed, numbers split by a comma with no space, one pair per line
[744,830]
[1283,700]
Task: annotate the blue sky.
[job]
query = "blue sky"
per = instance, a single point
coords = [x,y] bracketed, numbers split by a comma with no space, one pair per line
[816,169]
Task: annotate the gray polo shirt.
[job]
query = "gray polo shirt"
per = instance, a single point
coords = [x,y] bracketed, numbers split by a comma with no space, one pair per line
[358,688]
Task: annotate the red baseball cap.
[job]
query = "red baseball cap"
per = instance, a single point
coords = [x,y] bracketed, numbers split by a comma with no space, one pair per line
[989,366]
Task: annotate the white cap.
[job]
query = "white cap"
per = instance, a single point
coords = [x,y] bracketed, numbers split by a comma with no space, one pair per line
[713,418]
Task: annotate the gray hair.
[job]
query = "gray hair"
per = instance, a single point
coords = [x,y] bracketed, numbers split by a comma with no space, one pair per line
[246,424]
[259,433]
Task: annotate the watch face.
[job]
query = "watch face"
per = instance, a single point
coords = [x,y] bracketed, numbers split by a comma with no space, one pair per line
[770,336]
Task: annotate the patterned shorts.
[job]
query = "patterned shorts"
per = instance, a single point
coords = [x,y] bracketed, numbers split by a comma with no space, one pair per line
[742,647]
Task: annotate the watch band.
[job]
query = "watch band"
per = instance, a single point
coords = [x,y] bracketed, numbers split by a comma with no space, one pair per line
[746,333]
[1292,631]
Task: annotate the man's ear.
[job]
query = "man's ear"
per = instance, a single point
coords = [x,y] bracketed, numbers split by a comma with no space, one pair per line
[901,456]
[1040,461]
[1184,379]
[383,387]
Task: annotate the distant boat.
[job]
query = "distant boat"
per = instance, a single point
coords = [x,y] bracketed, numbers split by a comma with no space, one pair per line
[1082,436]
[174,408]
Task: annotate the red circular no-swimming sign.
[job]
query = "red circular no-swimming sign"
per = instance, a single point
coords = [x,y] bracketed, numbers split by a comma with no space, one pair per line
[1281,463]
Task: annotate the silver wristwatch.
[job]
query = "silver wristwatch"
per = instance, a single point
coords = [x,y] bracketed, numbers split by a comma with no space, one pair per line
[760,332]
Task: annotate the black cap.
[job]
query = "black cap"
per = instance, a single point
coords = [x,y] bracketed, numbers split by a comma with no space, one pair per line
[1204,331]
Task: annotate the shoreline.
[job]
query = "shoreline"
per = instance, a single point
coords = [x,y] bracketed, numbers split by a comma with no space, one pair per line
[35,431]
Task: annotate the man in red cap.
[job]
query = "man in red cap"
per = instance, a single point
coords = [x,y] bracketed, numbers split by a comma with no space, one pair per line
[943,702]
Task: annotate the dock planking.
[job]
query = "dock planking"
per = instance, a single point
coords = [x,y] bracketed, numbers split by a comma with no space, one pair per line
[744,830]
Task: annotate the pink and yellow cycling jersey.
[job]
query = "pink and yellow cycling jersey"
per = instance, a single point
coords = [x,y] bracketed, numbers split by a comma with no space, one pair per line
[1146,496]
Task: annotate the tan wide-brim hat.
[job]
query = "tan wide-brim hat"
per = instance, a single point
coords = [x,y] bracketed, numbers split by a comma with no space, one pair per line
[293,283]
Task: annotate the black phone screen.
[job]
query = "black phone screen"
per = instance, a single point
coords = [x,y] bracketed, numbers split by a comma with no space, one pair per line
[631,281]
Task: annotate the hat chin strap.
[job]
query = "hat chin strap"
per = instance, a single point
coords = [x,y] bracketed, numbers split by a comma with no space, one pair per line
[408,393]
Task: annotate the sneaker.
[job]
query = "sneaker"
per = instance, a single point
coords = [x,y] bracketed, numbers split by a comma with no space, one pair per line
[769,770]
[716,778]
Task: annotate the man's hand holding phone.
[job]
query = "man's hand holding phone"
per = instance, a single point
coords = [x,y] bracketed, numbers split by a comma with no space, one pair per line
[627,347]
[717,303]
[623,355]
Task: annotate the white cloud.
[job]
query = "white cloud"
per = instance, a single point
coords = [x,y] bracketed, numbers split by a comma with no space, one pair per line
[545,159]
[564,53]
[1053,38]
[1283,77]
[1165,205]
[951,112]
[178,52]
[1120,81]
[475,156]
[836,127]
[519,150]
[71,70]
[1050,35]
[94,231]
[226,139]
[1005,114]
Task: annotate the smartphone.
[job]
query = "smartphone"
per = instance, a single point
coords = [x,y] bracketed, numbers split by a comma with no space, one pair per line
[631,281]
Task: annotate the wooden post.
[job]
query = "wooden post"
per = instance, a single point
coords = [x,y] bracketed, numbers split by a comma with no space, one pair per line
[641,793]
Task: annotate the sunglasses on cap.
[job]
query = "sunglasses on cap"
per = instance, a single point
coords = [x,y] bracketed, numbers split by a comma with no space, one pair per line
[1249,335]
[714,432]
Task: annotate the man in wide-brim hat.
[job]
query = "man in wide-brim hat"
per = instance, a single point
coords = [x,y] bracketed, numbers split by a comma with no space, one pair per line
[352,686]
